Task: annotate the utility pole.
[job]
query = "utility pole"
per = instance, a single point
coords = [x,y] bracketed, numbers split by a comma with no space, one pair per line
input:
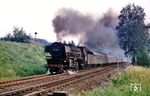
[118,65]
[35,36]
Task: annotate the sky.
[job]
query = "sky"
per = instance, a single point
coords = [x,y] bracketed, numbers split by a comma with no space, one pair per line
[36,15]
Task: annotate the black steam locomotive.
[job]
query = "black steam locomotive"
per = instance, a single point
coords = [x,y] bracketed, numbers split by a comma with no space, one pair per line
[62,57]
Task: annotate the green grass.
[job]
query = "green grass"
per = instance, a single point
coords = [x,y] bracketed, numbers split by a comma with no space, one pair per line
[20,59]
[120,85]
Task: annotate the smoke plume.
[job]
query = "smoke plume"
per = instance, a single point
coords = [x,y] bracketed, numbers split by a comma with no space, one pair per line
[98,34]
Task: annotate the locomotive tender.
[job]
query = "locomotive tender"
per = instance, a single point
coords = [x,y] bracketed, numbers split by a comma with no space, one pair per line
[60,57]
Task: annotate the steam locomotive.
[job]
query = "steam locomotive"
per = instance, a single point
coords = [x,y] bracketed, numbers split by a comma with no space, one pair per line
[61,56]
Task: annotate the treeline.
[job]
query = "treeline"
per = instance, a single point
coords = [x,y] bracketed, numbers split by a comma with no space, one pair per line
[19,35]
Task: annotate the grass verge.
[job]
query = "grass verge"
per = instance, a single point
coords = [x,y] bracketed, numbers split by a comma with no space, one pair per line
[120,85]
[20,59]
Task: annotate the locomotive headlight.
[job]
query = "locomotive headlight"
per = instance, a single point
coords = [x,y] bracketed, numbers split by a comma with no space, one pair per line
[64,60]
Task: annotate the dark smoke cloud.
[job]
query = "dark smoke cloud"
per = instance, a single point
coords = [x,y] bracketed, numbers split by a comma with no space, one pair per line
[98,34]
[71,22]
[104,33]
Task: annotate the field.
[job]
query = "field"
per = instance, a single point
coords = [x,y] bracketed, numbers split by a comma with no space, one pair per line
[20,59]
[120,85]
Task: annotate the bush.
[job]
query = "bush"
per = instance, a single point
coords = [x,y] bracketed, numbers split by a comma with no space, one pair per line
[143,58]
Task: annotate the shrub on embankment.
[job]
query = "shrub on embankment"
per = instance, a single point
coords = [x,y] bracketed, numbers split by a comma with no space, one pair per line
[20,59]
[120,85]
[143,59]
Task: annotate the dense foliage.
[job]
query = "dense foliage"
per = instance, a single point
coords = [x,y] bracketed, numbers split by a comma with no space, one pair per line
[132,33]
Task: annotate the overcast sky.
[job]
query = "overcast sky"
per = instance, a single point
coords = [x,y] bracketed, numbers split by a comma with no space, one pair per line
[37,15]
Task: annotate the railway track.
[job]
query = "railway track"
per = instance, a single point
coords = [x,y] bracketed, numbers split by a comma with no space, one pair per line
[29,79]
[62,83]
[9,83]
[46,83]
[13,85]
[20,79]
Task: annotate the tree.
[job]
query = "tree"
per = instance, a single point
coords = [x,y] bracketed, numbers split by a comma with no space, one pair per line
[18,35]
[8,37]
[132,34]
